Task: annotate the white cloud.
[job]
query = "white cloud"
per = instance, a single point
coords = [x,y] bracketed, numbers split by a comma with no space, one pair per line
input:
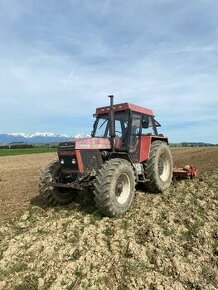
[55,68]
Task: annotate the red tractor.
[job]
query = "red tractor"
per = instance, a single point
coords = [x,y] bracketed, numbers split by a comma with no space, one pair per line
[124,149]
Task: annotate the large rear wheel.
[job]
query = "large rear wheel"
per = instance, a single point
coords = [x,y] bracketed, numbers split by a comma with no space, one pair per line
[49,193]
[159,167]
[114,187]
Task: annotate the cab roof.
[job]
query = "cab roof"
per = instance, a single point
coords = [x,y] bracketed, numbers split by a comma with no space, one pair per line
[124,107]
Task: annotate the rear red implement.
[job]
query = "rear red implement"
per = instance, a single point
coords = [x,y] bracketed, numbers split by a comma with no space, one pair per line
[188,171]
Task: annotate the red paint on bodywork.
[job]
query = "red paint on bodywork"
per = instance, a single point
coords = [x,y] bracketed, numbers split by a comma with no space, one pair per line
[79,160]
[77,155]
[93,143]
[123,107]
[145,145]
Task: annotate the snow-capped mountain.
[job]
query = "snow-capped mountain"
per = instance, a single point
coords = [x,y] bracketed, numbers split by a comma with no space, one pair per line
[46,134]
[81,136]
[18,135]
[38,137]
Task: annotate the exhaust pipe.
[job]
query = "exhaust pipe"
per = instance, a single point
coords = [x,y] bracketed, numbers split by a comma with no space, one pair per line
[112,122]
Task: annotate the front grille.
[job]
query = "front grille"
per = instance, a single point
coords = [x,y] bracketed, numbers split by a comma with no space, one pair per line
[92,159]
[66,162]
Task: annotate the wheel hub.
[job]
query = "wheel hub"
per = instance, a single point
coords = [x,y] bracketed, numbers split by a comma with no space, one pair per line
[164,167]
[122,190]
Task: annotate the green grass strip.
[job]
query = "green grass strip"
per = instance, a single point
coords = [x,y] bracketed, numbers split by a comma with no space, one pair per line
[9,152]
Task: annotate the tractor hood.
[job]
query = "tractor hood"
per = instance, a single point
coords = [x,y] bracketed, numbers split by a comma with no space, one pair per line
[86,143]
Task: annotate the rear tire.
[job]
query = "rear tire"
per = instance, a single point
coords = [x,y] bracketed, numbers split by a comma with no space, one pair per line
[50,194]
[159,167]
[114,187]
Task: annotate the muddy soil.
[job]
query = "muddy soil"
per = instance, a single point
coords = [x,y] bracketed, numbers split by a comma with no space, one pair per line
[18,182]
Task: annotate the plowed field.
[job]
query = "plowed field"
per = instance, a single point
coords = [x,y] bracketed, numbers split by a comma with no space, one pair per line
[165,241]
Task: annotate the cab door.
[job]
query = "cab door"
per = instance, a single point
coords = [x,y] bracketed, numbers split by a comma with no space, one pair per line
[135,133]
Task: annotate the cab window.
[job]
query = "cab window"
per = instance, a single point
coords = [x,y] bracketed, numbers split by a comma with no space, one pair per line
[147,127]
[136,124]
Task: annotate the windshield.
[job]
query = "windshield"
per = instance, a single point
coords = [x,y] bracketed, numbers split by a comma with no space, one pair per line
[121,125]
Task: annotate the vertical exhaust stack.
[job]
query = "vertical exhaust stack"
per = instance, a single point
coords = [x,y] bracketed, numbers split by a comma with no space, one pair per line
[112,122]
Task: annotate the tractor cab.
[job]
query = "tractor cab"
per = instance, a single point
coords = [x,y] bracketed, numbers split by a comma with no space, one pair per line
[130,123]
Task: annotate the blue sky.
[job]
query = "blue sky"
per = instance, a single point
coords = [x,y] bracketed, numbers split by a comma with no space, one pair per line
[60,59]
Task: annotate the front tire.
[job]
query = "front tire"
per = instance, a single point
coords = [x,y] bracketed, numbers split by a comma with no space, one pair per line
[114,187]
[159,167]
[50,194]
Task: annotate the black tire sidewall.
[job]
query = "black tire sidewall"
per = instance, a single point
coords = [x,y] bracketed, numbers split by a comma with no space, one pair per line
[52,171]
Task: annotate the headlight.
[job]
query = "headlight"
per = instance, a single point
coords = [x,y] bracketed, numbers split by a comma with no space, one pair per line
[62,161]
[73,161]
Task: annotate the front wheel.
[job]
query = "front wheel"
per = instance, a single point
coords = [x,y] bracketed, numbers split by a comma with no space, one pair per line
[114,187]
[159,167]
[50,194]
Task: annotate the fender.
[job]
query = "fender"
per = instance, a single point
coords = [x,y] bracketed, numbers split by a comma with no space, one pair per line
[145,145]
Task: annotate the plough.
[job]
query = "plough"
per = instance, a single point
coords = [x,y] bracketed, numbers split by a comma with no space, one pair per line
[188,172]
